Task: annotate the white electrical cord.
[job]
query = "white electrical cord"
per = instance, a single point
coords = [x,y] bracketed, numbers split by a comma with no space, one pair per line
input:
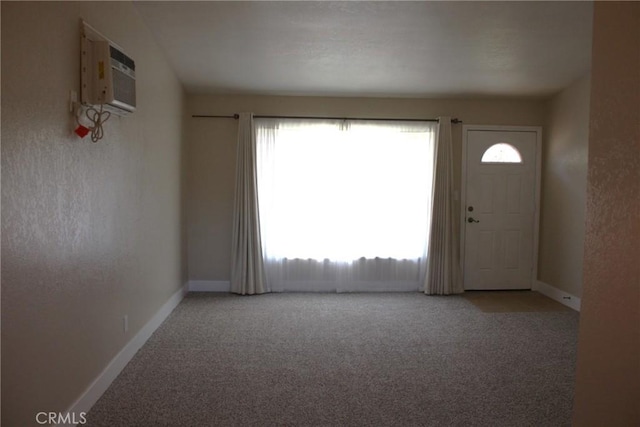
[97,119]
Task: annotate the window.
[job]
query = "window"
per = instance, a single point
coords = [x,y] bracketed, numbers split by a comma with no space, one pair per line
[344,190]
[501,153]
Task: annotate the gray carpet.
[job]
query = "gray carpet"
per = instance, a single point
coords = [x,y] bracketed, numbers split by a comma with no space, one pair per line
[347,360]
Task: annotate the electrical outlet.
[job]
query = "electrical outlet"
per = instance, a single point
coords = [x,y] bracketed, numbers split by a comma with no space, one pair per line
[125,323]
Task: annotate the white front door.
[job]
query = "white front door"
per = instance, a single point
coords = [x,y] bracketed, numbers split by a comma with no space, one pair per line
[500,207]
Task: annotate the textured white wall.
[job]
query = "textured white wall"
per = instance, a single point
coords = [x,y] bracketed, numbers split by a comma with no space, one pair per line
[564,188]
[608,371]
[211,145]
[90,232]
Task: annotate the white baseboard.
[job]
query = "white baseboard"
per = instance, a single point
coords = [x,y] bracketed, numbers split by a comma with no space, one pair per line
[118,363]
[209,286]
[557,294]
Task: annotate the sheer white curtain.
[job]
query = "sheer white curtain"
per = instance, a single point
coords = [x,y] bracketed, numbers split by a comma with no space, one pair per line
[247,269]
[444,275]
[344,205]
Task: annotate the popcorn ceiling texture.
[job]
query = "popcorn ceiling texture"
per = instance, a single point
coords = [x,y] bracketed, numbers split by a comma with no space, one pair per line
[90,232]
[608,385]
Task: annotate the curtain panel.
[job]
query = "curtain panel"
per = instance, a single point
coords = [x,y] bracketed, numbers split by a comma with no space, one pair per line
[344,205]
[247,266]
[444,274]
[326,206]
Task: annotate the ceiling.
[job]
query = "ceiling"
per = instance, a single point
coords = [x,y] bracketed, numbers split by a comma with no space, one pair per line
[386,49]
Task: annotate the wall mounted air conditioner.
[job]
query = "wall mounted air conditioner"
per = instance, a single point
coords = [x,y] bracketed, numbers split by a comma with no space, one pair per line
[108,75]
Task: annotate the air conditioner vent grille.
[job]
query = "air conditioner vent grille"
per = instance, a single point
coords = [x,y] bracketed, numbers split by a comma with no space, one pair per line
[124,88]
[122,58]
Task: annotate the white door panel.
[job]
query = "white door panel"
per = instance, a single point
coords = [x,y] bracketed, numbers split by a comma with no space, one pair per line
[500,211]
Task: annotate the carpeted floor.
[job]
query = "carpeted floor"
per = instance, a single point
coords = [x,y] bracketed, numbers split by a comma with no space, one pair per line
[347,360]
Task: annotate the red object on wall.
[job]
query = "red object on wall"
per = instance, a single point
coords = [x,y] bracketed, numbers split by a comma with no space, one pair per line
[81,131]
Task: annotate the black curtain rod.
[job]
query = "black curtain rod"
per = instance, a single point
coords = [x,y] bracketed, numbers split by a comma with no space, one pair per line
[236,116]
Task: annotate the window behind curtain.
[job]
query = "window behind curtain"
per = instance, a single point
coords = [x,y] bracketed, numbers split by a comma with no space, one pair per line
[344,202]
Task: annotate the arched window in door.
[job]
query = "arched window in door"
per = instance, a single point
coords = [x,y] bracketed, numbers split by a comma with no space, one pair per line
[501,153]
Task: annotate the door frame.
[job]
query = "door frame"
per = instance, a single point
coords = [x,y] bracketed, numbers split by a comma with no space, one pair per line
[463,189]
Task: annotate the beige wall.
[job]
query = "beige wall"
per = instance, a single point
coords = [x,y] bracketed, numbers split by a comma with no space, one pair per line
[90,232]
[212,152]
[564,188]
[608,374]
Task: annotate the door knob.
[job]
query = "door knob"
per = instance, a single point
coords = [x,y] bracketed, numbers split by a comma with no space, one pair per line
[470,220]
